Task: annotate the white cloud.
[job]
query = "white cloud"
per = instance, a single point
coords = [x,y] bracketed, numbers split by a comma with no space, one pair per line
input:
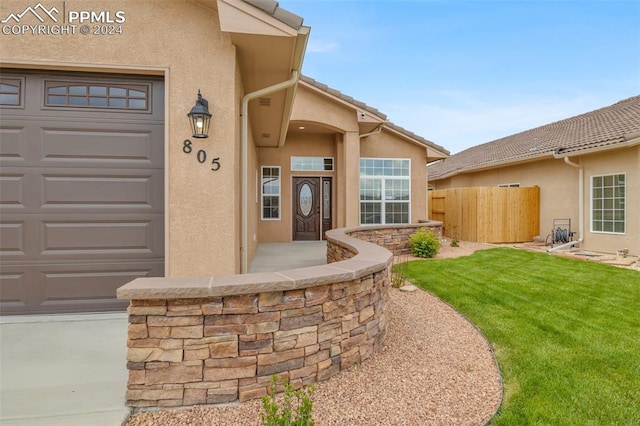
[315,46]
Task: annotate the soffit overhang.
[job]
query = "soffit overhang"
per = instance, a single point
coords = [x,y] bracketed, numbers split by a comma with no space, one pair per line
[268,50]
[435,155]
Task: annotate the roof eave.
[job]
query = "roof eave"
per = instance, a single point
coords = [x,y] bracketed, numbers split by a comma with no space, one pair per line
[436,152]
[631,140]
[298,58]
[271,43]
[510,162]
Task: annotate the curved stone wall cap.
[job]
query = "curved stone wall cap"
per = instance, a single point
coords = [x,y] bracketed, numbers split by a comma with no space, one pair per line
[362,266]
[312,276]
[421,223]
[165,287]
[226,285]
[369,258]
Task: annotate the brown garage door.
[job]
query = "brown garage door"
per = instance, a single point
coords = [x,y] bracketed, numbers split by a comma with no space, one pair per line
[81,189]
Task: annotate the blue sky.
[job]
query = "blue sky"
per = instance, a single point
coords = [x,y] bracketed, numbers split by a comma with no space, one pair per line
[461,73]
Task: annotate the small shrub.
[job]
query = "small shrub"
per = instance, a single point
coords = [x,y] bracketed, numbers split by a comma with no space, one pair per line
[296,408]
[424,243]
[454,236]
[399,271]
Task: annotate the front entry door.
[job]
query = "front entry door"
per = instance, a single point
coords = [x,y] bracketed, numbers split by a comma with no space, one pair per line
[306,208]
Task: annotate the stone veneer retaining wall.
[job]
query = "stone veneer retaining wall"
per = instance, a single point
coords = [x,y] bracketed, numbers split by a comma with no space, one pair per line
[394,238]
[208,340]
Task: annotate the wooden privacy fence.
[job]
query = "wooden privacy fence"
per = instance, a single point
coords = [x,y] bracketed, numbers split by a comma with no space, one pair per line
[487,214]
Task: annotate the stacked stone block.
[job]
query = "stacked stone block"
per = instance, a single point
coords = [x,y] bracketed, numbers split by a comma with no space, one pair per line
[183,352]
[395,239]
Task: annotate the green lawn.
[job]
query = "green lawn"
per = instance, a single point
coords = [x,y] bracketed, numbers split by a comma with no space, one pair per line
[566,332]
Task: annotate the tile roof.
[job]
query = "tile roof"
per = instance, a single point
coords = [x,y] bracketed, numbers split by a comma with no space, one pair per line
[273,8]
[603,127]
[374,111]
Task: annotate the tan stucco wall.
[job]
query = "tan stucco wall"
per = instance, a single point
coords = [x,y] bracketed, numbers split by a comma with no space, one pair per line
[558,184]
[311,106]
[613,162]
[183,42]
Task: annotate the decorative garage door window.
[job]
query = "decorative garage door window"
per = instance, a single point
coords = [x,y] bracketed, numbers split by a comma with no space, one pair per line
[11,92]
[385,190]
[91,95]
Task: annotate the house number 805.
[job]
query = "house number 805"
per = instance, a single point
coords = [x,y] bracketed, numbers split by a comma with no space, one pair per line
[201,155]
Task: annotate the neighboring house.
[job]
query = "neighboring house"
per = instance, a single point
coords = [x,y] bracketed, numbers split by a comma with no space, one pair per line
[587,168]
[102,181]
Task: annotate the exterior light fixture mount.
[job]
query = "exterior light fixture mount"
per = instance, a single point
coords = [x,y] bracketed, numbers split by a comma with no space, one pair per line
[200,117]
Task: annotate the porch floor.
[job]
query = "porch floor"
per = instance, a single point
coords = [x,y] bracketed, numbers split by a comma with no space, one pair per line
[272,257]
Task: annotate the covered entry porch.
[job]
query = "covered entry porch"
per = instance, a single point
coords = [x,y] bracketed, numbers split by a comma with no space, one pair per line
[271,257]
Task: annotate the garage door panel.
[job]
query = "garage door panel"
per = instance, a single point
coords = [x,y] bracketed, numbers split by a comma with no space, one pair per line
[102,146]
[70,287]
[94,238]
[39,237]
[12,238]
[53,142]
[89,189]
[12,146]
[12,290]
[36,189]
[12,190]
[92,282]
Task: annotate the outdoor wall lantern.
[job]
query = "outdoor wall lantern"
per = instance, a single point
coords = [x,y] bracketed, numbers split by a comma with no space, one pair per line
[200,117]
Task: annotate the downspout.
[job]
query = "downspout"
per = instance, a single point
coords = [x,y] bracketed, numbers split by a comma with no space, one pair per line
[580,208]
[244,255]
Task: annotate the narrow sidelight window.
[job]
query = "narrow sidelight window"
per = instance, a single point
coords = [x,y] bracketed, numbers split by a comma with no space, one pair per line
[270,188]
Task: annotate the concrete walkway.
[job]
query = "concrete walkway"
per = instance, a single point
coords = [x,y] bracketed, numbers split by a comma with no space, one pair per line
[70,370]
[63,370]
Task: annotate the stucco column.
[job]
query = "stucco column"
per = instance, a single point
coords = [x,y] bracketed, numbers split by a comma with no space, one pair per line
[351,184]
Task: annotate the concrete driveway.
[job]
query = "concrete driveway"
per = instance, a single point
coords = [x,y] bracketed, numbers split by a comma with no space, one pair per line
[63,370]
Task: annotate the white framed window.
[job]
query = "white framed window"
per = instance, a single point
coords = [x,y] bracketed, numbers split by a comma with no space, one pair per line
[608,203]
[270,188]
[311,164]
[509,185]
[385,190]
